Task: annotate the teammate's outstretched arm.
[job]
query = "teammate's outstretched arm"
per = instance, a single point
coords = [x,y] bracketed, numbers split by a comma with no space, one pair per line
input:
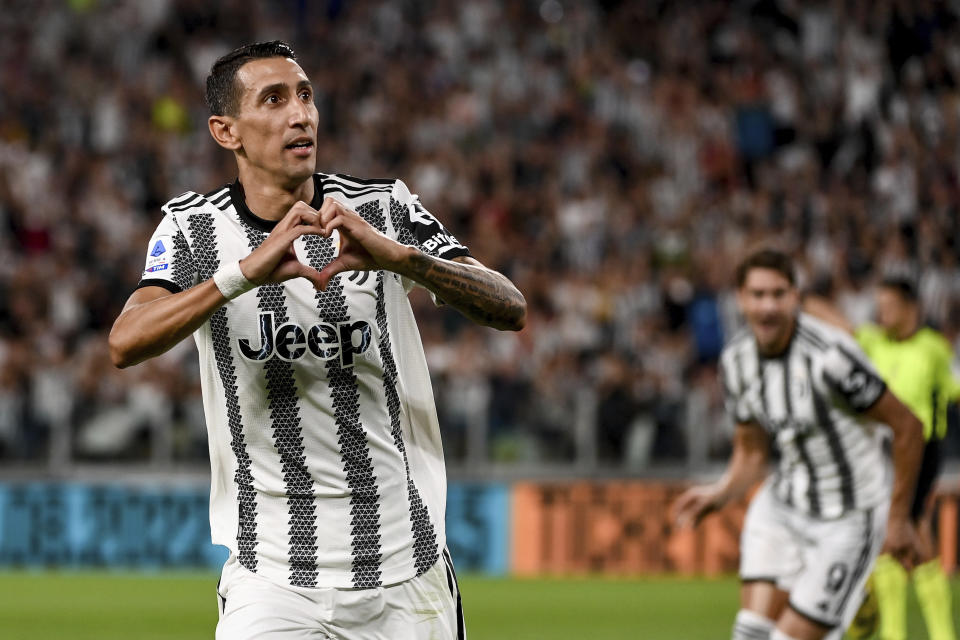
[747,466]
[154,320]
[485,296]
[907,453]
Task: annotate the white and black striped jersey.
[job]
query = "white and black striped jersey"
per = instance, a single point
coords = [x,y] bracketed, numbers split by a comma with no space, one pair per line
[327,466]
[810,400]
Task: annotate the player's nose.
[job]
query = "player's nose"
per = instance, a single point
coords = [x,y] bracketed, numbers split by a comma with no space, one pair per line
[299,114]
[769,305]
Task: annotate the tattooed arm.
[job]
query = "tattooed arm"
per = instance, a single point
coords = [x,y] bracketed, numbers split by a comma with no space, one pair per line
[483,295]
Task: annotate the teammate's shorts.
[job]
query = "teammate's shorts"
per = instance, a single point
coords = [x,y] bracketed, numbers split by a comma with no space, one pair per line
[252,607]
[822,564]
[929,470]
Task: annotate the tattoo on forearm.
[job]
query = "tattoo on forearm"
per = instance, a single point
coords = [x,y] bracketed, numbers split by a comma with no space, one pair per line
[484,296]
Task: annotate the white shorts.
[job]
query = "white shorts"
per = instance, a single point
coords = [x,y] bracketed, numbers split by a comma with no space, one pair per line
[823,564]
[427,606]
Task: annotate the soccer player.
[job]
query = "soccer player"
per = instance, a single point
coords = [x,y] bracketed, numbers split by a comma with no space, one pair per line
[805,398]
[328,483]
[915,362]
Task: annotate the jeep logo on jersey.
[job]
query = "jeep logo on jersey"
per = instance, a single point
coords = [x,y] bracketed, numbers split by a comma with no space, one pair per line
[325,341]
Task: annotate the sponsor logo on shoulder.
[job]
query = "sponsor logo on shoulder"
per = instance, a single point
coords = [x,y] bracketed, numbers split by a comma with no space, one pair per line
[440,239]
[158,257]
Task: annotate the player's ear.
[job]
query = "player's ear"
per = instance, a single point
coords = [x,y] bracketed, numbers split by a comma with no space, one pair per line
[223,131]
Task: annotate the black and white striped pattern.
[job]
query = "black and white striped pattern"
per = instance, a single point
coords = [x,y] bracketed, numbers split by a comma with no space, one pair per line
[864,561]
[810,400]
[454,586]
[424,538]
[353,449]
[316,480]
[283,405]
[184,269]
[354,188]
[200,226]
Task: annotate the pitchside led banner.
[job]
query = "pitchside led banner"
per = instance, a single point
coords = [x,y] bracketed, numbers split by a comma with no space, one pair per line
[73,525]
[478,527]
[522,529]
[78,525]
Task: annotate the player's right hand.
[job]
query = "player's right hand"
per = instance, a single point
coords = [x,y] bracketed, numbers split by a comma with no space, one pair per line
[902,542]
[694,504]
[275,260]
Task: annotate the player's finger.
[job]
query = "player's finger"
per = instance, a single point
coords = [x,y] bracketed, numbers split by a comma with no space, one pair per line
[311,274]
[299,213]
[338,222]
[303,230]
[705,509]
[309,218]
[679,506]
[334,211]
[690,517]
[337,265]
[682,518]
[686,509]
[687,499]
[329,209]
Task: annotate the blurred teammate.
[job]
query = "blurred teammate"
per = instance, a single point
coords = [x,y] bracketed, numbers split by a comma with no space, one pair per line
[915,362]
[803,391]
[328,481]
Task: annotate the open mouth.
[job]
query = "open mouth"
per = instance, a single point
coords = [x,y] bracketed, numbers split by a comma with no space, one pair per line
[300,147]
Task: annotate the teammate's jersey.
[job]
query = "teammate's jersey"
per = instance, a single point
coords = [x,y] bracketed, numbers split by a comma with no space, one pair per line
[918,372]
[829,458]
[327,466]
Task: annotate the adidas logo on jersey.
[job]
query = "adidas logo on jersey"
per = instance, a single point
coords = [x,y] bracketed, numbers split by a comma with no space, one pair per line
[326,341]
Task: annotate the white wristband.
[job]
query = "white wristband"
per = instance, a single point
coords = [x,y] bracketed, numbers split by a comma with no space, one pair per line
[231,281]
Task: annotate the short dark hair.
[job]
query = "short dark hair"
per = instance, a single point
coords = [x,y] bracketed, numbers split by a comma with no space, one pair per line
[904,285]
[223,95]
[766,259]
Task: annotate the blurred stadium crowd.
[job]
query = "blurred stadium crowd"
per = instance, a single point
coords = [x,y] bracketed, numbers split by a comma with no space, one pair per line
[614,158]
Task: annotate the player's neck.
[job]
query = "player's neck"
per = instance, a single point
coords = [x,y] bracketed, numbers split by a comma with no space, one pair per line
[782,345]
[906,330]
[269,200]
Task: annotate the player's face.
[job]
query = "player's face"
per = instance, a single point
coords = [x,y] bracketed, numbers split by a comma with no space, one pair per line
[892,309]
[277,120]
[769,303]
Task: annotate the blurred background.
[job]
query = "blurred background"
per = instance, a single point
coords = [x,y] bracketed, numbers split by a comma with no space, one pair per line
[613,158]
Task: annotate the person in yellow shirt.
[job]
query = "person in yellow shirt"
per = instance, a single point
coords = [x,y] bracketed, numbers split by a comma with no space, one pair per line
[915,362]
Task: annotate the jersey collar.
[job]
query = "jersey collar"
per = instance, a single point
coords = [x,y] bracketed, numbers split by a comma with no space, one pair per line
[255,221]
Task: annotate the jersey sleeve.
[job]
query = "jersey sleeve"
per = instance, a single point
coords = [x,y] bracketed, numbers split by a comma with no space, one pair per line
[848,372]
[169,261]
[415,226]
[734,396]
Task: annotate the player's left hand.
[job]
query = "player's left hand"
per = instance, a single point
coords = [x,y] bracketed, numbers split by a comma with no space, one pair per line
[362,248]
[902,542]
